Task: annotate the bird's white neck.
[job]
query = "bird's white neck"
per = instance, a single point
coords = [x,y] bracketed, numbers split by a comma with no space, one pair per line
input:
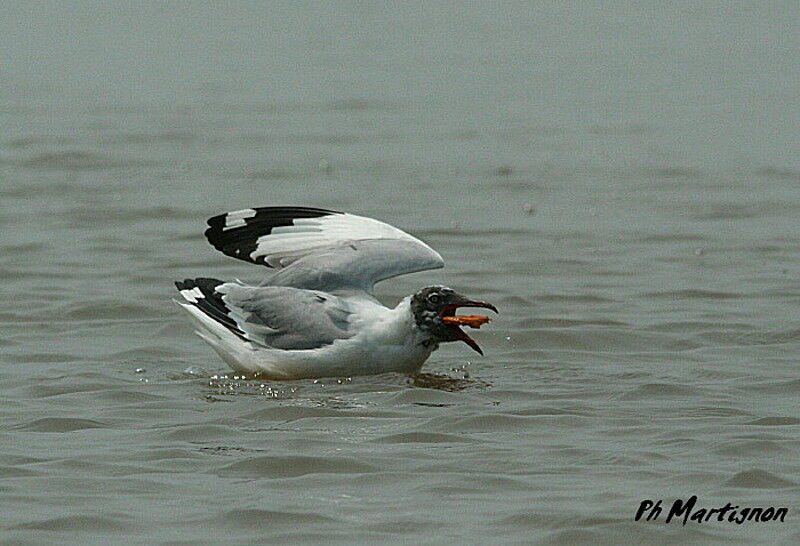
[407,324]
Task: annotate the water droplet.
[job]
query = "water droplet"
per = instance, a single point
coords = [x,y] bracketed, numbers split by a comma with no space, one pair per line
[140,370]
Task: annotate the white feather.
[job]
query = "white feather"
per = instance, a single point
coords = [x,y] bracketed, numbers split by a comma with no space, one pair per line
[236,218]
[310,235]
[192,295]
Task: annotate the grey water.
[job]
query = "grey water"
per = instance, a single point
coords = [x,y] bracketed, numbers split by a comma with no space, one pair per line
[621,179]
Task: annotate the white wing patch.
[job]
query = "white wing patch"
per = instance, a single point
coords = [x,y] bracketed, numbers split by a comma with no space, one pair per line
[285,244]
[236,218]
[192,295]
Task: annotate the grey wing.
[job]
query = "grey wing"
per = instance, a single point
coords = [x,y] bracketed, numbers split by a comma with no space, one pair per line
[320,249]
[357,265]
[286,318]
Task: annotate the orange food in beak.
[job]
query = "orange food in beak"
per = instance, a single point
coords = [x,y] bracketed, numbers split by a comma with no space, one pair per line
[473,321]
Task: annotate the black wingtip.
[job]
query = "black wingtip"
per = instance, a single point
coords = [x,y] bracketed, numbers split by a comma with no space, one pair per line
[186,284]
[206,284]
[274,212]
[211,302]
[236,233]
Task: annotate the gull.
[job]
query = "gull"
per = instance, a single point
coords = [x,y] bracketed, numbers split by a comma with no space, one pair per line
[316,314]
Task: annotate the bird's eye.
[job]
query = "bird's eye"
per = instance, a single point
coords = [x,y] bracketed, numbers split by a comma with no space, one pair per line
[434,298]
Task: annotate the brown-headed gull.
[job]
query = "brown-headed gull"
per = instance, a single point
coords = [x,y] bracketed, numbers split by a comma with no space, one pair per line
[316,315]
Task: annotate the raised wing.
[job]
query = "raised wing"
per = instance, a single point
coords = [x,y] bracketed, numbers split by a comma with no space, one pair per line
[320,249]
[278,317]
[357,265]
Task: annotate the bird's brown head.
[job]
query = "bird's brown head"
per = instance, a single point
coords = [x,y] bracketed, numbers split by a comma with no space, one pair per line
[434,309]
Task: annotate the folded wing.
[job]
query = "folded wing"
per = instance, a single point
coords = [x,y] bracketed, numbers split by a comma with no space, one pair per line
[278,317]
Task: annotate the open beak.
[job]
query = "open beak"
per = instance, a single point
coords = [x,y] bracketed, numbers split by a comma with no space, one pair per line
[476,303]
[473,321]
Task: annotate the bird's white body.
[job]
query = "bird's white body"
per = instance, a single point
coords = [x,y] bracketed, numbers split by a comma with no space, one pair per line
[388,340]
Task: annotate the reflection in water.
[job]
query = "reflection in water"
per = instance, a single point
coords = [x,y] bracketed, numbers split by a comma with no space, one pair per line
[445,382]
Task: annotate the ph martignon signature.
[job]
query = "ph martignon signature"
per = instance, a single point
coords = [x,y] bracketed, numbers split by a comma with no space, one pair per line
[652,511]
